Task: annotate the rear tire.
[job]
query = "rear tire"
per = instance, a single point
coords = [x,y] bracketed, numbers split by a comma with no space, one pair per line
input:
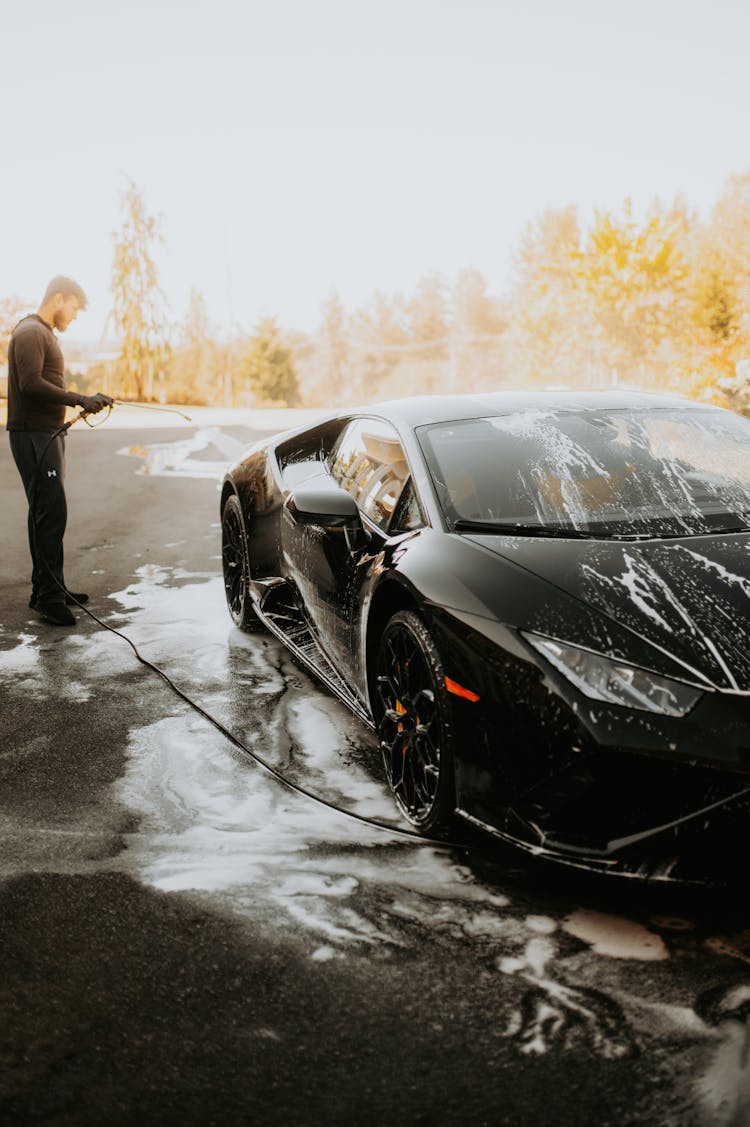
[235,558]
[413,717]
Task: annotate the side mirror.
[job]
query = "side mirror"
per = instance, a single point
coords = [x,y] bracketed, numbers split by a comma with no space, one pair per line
[327,505]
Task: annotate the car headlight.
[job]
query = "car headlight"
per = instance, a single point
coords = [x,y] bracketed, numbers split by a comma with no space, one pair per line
[603,679]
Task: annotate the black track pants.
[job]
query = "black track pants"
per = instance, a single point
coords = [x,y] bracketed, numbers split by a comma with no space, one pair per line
[48,510]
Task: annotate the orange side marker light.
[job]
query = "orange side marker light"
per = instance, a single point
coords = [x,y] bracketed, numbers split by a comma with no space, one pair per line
[459,690]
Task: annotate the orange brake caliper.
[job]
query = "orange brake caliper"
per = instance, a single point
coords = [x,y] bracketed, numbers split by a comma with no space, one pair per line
[401,710]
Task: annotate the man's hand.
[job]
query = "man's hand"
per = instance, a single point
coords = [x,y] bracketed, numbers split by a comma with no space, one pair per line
[92,404]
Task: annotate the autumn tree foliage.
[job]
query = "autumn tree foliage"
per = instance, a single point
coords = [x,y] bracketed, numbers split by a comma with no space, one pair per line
[194,372]
[634,277]
[546,295]
[139,311]
[729,240]
[429,313]
[333,344]
[476,314]
[721,295]
[11,309]
[660,299]
[379,335]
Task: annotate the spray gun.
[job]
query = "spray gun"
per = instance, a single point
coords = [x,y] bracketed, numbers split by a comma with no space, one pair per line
[153,407]
[83,415]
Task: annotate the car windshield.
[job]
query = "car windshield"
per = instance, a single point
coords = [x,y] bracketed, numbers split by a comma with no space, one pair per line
[612,472]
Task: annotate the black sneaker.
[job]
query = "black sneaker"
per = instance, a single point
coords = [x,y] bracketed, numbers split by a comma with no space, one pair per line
[72,599]
[56,613]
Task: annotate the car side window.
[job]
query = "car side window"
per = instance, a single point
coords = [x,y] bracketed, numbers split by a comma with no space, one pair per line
[370,463]
[408,514]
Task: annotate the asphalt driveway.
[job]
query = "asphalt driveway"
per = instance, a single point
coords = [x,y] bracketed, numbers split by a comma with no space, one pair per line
[184,940]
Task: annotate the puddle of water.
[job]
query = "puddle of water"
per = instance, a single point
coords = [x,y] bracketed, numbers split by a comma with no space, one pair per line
[616,937]
[21,657]
[723,1087]
[177,459]
[214,824]
[37,669]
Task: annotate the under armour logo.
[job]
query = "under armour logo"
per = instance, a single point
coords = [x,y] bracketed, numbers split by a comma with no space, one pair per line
[51,473]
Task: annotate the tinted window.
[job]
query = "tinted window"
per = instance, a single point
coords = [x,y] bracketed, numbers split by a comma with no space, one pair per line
[651,472]
[408,514]
[369,462]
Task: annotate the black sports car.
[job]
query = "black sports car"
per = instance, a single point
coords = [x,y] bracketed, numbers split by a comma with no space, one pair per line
[540,602]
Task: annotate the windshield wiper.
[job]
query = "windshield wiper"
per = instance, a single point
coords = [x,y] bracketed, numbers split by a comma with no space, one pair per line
[683,534]
[506,528]
[722,530]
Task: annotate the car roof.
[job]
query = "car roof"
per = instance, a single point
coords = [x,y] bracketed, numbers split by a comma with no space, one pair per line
[422,410]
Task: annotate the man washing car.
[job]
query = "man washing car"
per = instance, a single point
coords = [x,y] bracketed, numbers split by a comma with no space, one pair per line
[37,398]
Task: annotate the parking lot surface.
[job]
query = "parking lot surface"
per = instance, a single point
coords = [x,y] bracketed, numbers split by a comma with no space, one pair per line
[185,940]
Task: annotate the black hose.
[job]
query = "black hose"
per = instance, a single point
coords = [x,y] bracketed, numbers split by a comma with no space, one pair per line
[294,787]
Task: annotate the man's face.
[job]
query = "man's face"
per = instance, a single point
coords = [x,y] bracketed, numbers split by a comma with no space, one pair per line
[66,310]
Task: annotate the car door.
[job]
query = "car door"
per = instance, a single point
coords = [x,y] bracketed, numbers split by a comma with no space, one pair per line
[330,573]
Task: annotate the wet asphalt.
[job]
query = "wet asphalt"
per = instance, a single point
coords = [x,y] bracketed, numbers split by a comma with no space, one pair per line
[184,940]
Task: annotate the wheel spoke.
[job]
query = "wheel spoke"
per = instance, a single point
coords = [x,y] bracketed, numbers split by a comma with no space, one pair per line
[396,670]
[388,690]
[395,758]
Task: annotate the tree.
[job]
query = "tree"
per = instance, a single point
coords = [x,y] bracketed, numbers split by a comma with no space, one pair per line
[429,312]
[269,365]
[721,294]
[729,237]
[378,336]
[11,309]
[545,305]
[715,306]
[476,314]
[335,348]
[388,317]
[478,350]
[193,376]
[139,306]
[635,282]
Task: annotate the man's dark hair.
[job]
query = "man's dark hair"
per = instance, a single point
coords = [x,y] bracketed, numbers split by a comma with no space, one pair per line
[67,287]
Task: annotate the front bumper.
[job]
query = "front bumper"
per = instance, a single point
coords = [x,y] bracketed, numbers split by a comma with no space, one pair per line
[598,785]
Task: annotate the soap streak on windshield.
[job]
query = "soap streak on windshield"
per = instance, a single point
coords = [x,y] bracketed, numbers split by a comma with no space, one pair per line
[659,472]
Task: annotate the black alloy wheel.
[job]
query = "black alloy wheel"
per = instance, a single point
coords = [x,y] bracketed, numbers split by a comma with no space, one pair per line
[413,716]
[236,563]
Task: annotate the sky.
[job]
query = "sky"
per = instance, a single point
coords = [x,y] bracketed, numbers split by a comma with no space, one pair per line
[292,148]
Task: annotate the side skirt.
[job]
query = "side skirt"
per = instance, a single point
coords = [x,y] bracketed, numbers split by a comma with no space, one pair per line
[275,607]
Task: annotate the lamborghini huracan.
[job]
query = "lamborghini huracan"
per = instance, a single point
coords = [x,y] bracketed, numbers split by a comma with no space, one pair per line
[539,601]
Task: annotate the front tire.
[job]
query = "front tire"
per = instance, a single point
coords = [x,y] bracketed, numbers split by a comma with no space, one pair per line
[413,716]
[235,558]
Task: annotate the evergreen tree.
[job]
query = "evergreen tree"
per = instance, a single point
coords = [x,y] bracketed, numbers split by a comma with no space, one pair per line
[715,304]
[269,365]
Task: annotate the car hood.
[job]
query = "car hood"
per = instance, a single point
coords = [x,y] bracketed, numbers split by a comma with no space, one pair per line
[690,598]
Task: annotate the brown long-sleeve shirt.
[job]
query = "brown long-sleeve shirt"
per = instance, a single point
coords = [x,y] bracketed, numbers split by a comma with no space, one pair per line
[37,396]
